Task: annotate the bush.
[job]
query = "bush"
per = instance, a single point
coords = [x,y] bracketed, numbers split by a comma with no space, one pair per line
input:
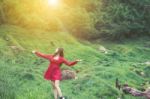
[120,18]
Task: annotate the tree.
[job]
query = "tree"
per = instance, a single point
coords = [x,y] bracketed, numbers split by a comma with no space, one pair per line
[2,14]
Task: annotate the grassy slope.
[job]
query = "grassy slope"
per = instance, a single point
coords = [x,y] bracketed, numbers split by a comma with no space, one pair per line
[21,73]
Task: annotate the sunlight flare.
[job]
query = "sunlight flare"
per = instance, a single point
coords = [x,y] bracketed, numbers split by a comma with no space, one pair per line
[53,2]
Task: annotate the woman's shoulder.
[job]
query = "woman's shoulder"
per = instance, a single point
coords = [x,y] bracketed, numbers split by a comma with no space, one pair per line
[62,58]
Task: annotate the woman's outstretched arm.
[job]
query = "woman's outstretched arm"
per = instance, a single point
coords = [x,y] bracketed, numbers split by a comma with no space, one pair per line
[46,56]
[70,63]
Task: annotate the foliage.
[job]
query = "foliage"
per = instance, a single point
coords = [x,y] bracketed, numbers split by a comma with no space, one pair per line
[123,18]
[114,19]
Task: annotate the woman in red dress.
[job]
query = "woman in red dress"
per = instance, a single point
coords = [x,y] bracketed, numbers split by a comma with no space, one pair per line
[53,72]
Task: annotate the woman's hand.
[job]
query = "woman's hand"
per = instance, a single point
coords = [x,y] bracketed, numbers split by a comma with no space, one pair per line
[33,51]
[78,60]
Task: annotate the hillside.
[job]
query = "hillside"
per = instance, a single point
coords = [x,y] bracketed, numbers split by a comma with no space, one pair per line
[21,73]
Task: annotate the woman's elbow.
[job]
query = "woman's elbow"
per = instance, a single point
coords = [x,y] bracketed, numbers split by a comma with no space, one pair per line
[68,64]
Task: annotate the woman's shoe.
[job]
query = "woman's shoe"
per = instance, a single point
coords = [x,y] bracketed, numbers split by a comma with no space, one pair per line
[62,98]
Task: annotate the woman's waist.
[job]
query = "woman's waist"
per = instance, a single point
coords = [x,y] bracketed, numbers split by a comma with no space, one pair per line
[54,67]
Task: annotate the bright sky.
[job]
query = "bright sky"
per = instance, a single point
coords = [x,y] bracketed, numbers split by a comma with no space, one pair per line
[53,2]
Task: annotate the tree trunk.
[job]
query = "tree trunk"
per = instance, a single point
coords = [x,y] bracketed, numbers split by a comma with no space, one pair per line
[2,14]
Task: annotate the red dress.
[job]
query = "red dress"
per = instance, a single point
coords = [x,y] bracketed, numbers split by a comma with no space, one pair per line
[54,72]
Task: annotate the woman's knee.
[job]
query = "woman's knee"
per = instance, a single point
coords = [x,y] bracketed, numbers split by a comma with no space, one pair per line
[53,85]
[56,84]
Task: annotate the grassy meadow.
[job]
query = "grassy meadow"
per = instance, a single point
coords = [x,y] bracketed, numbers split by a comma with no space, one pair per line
[21,72]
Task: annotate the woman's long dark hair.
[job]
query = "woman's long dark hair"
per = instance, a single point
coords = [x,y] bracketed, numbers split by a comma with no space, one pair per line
[60,51]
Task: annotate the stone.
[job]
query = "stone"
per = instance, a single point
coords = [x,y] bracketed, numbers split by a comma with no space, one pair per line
[103,49]
[68,74]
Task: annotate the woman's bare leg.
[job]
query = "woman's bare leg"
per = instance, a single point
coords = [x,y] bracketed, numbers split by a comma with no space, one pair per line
[54,89]
[58,88]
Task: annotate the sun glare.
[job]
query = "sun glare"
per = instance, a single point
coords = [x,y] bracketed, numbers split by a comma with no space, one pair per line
[53,2]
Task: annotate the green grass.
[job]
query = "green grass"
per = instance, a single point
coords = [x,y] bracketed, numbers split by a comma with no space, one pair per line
[21,73]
